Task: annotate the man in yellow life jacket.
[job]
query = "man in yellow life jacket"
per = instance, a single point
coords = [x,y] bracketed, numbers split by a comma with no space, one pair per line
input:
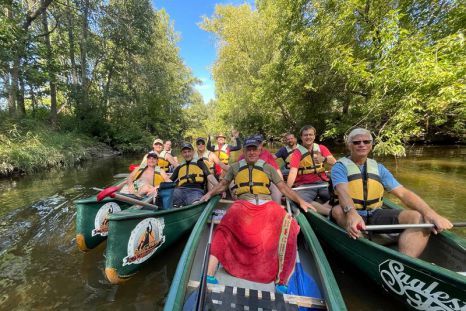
[165,158]
[146,179]
[210,158]
[252,177]
[191,177]
[307,169]
[286,151]
[360,183]
[223,150]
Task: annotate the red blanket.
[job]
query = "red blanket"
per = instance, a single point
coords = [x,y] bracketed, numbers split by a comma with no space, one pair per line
[247,239]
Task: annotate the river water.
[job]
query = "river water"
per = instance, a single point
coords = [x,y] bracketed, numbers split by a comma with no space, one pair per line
[41,267]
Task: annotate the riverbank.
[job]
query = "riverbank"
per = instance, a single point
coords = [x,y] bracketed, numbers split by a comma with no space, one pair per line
[28,147]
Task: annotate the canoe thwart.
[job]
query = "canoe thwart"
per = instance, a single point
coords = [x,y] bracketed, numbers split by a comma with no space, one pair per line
[227,298]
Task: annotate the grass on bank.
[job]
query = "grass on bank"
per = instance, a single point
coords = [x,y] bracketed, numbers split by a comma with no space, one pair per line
[28,146]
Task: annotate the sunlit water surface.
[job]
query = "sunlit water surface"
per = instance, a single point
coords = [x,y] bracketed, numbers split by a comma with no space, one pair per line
[41,267]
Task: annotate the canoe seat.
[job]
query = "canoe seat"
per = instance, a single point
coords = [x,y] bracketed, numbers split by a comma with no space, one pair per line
[222,297]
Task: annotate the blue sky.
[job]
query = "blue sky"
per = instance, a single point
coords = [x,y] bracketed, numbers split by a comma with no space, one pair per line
[197,47]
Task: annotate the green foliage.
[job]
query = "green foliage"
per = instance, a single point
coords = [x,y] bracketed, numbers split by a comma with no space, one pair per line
[28,146]
[397,67]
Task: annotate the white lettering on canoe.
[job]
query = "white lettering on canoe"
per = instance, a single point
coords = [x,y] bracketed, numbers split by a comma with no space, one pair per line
[419,295]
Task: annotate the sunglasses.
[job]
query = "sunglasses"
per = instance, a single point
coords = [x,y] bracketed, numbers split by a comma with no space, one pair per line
[200,143]
[358,142]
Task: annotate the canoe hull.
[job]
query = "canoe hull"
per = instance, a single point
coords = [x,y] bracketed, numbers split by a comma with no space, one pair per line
[414,282]
[91,220]
[136,236]
[179,291]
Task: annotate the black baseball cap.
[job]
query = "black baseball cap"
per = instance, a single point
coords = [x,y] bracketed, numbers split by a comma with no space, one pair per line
[251,141]
[152,154]
[187,146]
[200,139]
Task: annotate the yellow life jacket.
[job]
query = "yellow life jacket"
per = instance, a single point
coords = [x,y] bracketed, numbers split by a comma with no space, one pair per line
[157,177]
[222,153]
[288,157]
[191,173]
[163,163]
[205,157]
[307,164]
[252,179]
[366,191]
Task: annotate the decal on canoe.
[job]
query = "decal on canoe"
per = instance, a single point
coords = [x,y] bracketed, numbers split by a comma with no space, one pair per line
[101,218]
[421,295]
[144,240]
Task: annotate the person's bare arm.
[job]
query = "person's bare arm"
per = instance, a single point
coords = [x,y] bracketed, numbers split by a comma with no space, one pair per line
[292,176]
[213,157]
[413,201]
[164,176]
[294,196]
[130,181]
[353,219]
[218,188]
[171,159]
[211,178]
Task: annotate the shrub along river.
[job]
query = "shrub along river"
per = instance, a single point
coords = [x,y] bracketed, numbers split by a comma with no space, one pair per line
[41,267]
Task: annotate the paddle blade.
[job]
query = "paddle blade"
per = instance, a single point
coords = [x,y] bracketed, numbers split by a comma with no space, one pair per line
[302,284]
[110,191]
[132,167]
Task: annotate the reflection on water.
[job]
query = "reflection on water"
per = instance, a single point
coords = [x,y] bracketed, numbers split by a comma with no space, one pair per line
[41,268]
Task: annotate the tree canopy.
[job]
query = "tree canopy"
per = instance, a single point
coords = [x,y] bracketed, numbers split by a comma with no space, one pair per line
[394,67]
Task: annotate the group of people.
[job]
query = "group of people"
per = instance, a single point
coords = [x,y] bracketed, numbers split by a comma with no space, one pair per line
[353,200]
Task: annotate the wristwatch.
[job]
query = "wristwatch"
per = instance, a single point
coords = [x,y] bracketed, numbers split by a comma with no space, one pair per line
[347,208]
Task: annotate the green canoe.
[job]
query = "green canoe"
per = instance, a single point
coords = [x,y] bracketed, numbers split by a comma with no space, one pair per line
[91,220]
[432,282]
[184,287]
[136,235]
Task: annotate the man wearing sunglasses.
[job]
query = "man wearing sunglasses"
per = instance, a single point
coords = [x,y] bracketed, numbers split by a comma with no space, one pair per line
[360,183]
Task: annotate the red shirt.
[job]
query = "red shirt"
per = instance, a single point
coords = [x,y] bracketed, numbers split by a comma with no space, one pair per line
[267,157]
[307,178]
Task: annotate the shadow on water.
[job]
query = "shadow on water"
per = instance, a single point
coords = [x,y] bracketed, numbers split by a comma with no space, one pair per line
[41,267]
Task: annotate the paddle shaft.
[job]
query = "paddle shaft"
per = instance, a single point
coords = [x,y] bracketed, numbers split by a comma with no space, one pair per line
[304,187]
[205,265]
[130,200]
[406,226]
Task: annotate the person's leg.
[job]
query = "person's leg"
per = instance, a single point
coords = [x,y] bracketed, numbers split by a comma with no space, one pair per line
[178,197]
[192,195]
[308,195]
[323,194]
[339,216]
[412,242]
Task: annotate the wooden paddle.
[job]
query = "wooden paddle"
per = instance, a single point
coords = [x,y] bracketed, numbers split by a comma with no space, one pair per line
[301,283]
[404,226]
[111,193]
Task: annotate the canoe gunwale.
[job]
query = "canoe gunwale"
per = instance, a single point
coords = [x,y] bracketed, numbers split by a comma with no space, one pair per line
[179,284]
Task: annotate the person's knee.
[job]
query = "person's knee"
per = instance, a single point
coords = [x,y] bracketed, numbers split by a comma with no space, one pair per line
[338,215]
[410,217]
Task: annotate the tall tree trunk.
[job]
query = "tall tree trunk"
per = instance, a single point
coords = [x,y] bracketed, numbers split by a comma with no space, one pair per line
[74,70]
[83,45]
[11,89]
[20,104]
[50,69]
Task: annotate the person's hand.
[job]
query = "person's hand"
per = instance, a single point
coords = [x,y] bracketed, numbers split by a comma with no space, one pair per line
[235,133]
[224,195]
[318,158]
[206,197]
[306,206]
[353,222]
[441,223]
